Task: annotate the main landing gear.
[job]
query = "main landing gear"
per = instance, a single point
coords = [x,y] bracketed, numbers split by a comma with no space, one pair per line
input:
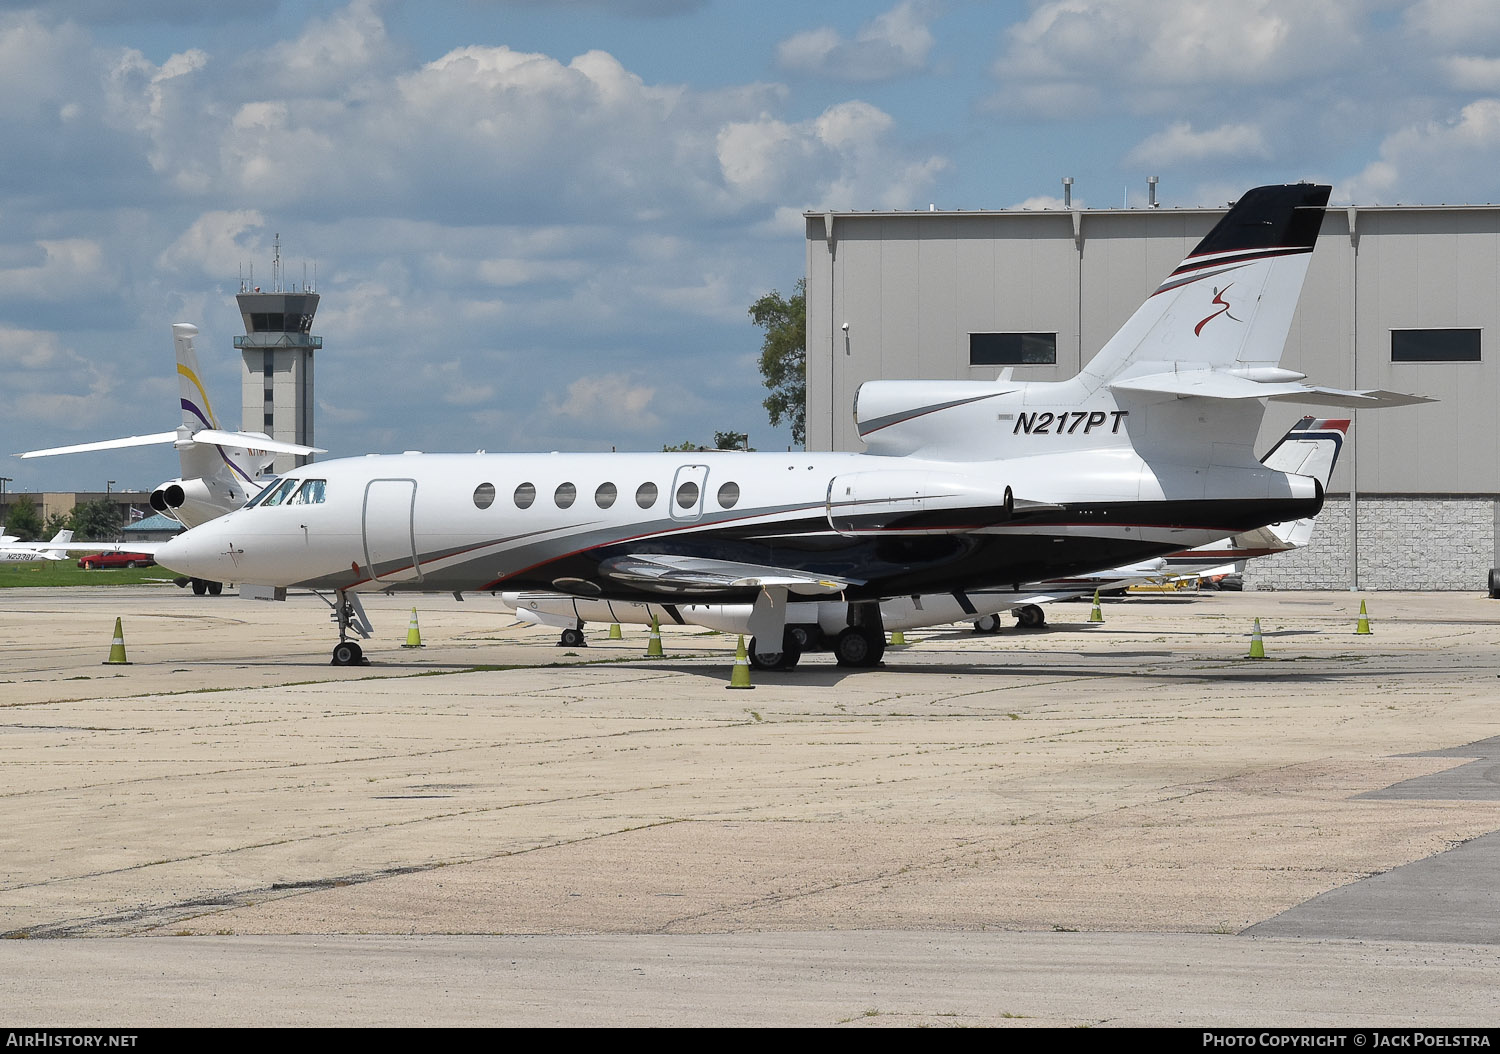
[573,637]
[1032,616]
[862,644]
[349,613]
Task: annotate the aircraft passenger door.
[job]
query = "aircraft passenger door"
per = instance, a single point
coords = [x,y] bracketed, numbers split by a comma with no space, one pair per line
[390,532]
[688,487]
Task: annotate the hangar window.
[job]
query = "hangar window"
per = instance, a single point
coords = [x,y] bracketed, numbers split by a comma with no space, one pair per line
[1012,349]
[565,495]
[1434,345]
[645,495]
[729,495]
[525,495]
[484,495]
[605,496]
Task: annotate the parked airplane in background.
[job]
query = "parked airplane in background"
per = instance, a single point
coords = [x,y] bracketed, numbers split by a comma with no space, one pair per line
[1311,448]
[967,485]
[13,551]
[221,470]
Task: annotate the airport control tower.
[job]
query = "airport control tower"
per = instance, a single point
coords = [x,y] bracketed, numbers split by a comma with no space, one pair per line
[278,348]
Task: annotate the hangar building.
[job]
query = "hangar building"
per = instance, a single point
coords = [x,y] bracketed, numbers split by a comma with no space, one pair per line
[1405,298]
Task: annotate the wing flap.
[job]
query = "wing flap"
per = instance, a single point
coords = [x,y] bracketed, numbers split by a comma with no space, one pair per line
[683,574]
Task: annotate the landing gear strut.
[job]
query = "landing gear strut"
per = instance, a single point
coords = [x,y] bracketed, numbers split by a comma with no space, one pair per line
[349,613]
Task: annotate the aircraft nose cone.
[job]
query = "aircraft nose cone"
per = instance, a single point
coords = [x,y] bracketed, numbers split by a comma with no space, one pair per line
[188,555]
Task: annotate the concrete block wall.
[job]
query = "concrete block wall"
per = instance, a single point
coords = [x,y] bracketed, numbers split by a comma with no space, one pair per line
[1404,543]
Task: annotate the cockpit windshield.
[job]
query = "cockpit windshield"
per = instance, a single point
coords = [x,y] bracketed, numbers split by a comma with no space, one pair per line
[265,493]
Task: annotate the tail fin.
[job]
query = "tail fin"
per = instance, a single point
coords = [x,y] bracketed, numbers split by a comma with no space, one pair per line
[196,410]
[1229,305]
[1311,447]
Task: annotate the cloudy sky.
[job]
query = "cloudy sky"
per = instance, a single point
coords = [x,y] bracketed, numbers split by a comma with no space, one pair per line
[538,224]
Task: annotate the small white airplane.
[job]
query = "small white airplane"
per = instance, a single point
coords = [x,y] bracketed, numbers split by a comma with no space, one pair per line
[965,485]
[13,551]
[1310,448]
[221,470]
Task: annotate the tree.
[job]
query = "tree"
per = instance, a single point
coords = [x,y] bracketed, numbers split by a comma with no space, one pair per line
[731,441]
[783,356]
[57,521]
[96,521]
[23,520]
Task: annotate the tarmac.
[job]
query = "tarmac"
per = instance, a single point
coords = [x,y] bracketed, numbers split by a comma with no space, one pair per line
[1126,823]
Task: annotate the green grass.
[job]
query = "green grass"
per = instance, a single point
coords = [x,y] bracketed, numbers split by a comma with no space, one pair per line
[50,573]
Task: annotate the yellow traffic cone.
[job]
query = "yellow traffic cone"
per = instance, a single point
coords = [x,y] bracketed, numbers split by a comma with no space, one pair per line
[653,646]
[740,678]
[1257,646]
[614,631]
[413,634]
[117,648]
[1363,626]
[898,639]
[1096,615]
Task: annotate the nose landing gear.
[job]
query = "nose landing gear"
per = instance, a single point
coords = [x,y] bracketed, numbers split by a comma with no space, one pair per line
[349,613]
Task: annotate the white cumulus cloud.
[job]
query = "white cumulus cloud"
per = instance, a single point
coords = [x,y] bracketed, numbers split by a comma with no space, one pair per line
[892,44]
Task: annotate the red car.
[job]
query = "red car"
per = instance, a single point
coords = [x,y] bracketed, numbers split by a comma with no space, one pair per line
[96,560]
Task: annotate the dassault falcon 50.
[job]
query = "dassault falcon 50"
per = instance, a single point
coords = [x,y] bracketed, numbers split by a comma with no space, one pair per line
[964,484]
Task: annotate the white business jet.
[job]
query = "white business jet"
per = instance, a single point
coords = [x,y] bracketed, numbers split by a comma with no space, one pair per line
[966,485]
[221,470]
[1310,448]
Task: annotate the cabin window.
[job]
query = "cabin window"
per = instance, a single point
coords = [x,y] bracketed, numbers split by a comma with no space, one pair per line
[565,495]
[729,495]
[645,495]
[605,496]
[1434,345]
[687,495]
[484,495]
[1012,349]
[525,495]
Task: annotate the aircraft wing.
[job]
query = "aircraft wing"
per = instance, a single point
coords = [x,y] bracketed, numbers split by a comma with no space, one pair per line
[149,548]
[677,574]
[1217,384]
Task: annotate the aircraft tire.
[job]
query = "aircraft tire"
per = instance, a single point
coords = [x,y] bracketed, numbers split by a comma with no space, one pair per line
[199,587]
[1495,583]
[1032,616]
[215,588]
[785,659]
[859,647]
[987,624]
[572,637]
[807,637]
[347,653]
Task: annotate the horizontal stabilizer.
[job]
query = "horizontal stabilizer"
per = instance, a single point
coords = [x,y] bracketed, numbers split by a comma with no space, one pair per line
[679,574]
[252,441]
[106,444]
[1221,384]
[206,436]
